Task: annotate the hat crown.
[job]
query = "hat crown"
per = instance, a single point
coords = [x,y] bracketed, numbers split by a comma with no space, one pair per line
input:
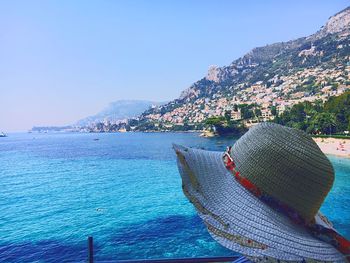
[286,164]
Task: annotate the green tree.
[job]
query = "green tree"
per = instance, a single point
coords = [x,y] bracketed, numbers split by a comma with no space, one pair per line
[273,110]
[214,121]
[225,126]
[227,116]
[340,107]
[325,122]
[246,111]
[257,112]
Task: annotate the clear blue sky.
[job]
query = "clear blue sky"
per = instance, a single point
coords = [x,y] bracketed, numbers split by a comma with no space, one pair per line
[63,60]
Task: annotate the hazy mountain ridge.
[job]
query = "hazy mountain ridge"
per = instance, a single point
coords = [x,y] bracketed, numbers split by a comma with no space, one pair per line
[119,110]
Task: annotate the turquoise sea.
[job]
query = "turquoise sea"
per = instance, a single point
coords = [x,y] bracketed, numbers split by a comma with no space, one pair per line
[123,189]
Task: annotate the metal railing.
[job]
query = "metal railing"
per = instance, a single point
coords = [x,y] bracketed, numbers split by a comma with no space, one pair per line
[170,260]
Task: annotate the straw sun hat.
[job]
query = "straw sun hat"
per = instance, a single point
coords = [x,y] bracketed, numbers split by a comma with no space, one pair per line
[261,198]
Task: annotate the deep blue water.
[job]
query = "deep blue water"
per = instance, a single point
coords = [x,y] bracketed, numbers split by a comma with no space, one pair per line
[123,189]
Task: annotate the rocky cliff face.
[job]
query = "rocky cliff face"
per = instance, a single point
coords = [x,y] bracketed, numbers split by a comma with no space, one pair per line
[338,23]
[214,73]
[219,74]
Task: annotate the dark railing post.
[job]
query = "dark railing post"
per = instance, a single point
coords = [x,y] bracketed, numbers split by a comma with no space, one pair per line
[90,250]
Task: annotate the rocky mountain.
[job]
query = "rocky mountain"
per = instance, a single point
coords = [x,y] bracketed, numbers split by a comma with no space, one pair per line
[281,66]
[336,24]
[118,111]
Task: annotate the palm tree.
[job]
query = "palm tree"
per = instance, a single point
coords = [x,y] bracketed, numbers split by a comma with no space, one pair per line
[326,122]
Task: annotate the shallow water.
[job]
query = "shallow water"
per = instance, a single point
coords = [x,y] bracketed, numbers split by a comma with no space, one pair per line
[123,189]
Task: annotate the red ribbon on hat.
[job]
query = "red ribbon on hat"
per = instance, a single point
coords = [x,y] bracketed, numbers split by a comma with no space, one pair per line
[319,231]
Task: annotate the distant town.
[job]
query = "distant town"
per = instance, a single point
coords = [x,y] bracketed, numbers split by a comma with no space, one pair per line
[251,104]
[266,100]
[266,84]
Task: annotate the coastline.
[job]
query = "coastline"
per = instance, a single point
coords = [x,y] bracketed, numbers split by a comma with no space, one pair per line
[330,146]
[334,146]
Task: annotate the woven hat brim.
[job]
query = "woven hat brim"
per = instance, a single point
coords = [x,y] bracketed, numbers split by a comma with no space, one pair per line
[240,221]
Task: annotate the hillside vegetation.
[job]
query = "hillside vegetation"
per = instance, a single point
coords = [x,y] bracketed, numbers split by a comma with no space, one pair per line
[265,83]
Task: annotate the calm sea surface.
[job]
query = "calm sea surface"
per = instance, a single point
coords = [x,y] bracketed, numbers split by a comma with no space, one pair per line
[123,189]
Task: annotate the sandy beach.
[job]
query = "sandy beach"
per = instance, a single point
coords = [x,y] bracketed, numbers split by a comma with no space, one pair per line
[333,146]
